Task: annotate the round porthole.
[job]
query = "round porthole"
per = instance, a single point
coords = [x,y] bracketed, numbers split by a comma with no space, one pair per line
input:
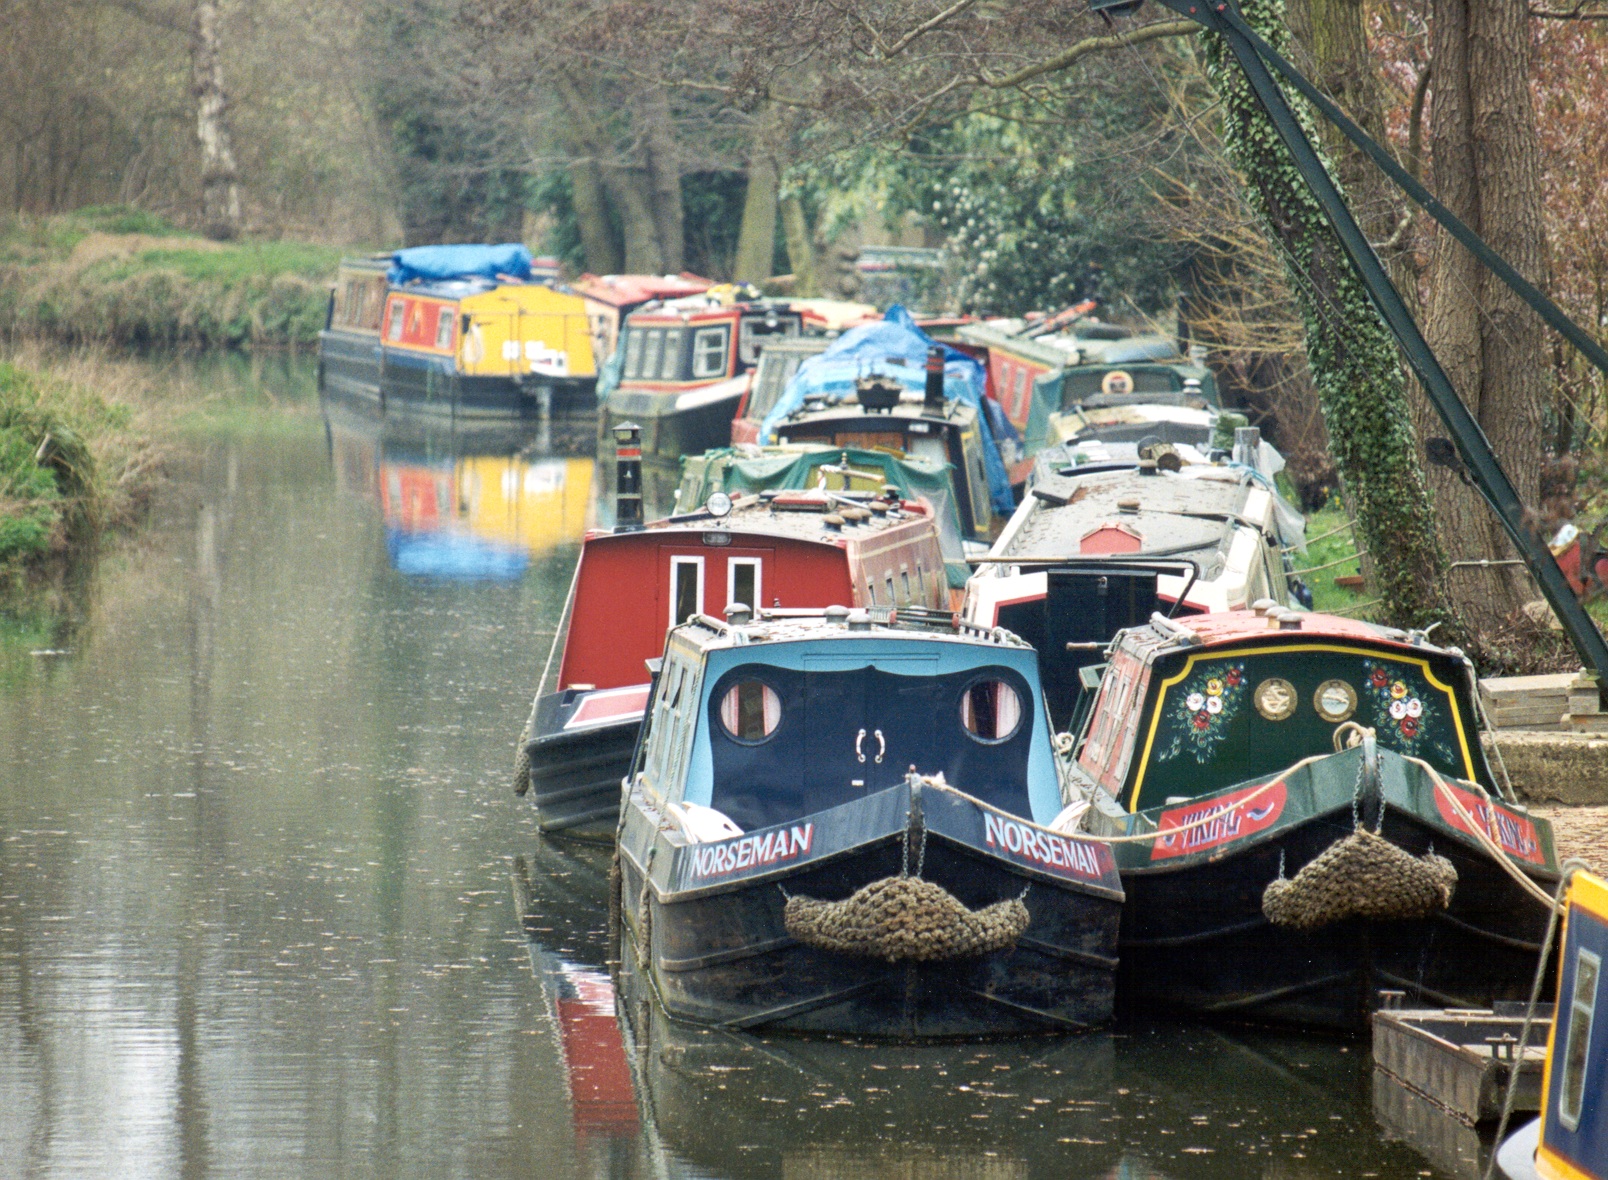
[991,710]
[1335,701]
[750,711]
[1275,698]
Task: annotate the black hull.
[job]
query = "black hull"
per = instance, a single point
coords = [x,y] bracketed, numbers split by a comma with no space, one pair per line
[1194,936]
[352,366]
[722,956]
[575,775]
[667,432]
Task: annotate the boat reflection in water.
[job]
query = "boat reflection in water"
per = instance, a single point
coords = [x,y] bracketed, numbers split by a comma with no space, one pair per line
[465,500]
[1149,1101]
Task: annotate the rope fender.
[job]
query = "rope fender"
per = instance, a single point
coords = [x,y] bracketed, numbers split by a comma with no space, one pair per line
[1361,876]
[905,919]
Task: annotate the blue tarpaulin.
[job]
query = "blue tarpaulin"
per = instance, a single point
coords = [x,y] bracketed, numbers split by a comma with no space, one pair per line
[894,347]
[455,262]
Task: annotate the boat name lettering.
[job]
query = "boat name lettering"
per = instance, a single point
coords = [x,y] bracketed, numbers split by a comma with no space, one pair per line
[1055,851]
[1218,821]
[1514,833]
[730,856]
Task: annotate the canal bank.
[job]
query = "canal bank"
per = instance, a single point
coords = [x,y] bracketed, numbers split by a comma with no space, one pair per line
[255,910]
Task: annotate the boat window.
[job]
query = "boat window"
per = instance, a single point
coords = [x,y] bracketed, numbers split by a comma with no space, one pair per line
[444,327]
[686,588]
[870,591]
[670,369]
[750,711]
[664,718]
[990,710]
[1021,387]
[905,576]
[398,310]
[709,348]
[756,331]
[742,581]
[633,352]
[921,580]
[652,351]
[1576,1052]
[925,446]
[892,598]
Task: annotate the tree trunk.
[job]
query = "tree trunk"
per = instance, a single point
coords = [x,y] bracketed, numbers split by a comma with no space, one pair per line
[756,238]
[622,184]
[664,177]
[220,192]
[800,245]
[1351,354]
[1487,171]
[591,217]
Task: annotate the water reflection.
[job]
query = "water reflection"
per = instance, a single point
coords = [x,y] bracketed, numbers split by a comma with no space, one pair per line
[465,500]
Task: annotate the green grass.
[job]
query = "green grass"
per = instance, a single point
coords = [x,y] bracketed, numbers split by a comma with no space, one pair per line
[163,287]
[1326,551]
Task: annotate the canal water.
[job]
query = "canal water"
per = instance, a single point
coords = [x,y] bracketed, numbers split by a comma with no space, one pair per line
[268,906]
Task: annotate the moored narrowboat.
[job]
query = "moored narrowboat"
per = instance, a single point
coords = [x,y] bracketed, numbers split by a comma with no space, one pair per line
[610,298]
[786,550]
[1092,380]
[456,330]
[839,826]
[1570,1139]
[1307,817]
[685,366]
[1094,549]
[778,361]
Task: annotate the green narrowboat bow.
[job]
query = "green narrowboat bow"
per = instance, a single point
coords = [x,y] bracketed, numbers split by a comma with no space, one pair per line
[1303,816]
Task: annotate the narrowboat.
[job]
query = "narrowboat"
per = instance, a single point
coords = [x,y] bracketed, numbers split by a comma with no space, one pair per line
[802,549]
[889,386]
[472,500]
[1093,380]
[778,361]
[685,366]
[834,825]
[1097,548]
[1306,818]
[800,466]
[610,298]
[1570,1139]
[456,330]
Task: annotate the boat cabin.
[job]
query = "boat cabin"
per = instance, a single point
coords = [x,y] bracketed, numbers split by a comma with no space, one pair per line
[685,368]
[778,361]
[1092,550]
[1190,706]
[610,298]
[788,550]
[906,424]
[767,722]
[466,345]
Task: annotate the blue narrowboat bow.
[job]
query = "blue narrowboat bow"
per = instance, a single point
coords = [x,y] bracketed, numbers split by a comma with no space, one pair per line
[840,826]
[1570,1139]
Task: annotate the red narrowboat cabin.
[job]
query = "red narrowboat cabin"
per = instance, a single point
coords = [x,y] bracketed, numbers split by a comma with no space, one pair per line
[783,550]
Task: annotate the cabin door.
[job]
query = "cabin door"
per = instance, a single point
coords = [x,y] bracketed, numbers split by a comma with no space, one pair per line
[711,579]
[864,726]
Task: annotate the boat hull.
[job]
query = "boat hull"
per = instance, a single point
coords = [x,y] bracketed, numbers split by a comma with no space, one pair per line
[356,365]
[1194,935]
[684,422]
[575,769]
[707,926]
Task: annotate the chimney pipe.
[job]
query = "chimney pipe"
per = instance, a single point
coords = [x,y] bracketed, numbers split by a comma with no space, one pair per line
[627,477]
[933,402]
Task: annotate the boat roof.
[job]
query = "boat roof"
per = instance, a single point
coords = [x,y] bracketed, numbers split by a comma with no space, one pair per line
[841,625]
[705,306]
[1169,513]
[912,406]
[629,290]
[808,515]
[1270,623]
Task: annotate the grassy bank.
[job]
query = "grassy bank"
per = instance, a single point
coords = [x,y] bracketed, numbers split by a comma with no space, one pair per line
[75,462]
[124,277]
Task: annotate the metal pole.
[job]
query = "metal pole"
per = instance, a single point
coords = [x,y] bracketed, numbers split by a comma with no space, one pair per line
[1488,475]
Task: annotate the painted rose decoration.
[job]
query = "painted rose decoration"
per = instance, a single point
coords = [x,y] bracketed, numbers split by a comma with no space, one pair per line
[1201,711]
[1405,712]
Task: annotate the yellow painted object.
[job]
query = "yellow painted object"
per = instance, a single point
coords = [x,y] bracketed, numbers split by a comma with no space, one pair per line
[524,329]
[539,504]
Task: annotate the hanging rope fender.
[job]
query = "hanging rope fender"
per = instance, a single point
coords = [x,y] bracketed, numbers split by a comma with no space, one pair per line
[1361,876]
[905,919]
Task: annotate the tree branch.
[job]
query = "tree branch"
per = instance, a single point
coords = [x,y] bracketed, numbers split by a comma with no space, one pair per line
[1170,28]
[1576,13]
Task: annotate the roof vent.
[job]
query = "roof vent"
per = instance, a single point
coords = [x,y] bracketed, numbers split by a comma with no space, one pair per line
[832,522]
[837,614]
[1128,504]
[855,515]
[1264,606]
[739,614]
[1290,621]
[859,621]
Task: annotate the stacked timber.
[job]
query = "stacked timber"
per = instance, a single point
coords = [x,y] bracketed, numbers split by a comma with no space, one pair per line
[1560,701]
